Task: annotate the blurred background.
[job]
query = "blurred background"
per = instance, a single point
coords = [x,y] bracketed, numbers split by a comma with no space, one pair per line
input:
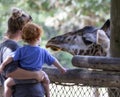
[58,17]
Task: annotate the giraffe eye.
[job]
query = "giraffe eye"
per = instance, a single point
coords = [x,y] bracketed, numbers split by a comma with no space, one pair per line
[87,42]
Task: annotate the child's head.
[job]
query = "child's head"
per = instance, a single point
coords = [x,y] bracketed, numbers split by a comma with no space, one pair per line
[31,32]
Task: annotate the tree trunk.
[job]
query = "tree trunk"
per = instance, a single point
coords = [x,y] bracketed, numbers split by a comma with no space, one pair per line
[115,28]
[115,38]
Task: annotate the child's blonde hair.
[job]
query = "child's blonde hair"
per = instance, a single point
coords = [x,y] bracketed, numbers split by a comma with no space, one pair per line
[31,32]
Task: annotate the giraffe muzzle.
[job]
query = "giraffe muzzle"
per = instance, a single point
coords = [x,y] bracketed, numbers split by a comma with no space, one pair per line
[54,48]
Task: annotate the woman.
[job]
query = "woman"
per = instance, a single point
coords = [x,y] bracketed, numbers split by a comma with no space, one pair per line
[31,35]
[15,24]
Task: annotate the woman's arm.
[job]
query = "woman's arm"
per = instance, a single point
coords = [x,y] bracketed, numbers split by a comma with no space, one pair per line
[5,62]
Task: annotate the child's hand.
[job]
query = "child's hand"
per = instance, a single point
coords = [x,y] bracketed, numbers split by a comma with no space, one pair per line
[63,70]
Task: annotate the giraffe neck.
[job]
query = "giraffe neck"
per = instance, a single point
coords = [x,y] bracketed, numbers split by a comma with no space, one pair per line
[95,50]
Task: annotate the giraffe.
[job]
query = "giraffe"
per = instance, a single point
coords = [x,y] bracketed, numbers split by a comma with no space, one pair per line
[89,40]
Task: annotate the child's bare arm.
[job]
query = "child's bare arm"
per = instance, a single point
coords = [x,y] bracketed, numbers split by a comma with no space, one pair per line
[5,62]
[59,66]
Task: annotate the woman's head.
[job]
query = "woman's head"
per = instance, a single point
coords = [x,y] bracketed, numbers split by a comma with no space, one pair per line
[31,32]
[17,20]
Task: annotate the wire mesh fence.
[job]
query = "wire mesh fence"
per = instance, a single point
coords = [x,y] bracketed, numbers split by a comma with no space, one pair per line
[75,90]
[61,87]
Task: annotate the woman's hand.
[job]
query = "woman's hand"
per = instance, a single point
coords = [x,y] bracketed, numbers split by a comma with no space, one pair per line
[1,68]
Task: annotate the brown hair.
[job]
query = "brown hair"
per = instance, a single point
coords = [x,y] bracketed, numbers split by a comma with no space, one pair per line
[31,32]
[17,20]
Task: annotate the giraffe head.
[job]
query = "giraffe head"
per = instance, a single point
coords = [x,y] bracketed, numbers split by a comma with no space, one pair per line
[86,41]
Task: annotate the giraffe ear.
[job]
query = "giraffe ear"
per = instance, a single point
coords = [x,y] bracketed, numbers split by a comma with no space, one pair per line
[103,40]
[106,27]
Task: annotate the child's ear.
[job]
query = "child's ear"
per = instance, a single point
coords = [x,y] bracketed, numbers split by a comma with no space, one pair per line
[39,38]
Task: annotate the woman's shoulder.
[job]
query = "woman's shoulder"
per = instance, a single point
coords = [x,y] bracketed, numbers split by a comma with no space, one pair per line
[10,44]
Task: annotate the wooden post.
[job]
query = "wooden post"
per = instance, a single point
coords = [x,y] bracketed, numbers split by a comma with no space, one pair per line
[97,62]
[85,77]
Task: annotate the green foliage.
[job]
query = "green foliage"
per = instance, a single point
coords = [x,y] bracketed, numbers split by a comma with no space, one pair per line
[65,58]
[58,16]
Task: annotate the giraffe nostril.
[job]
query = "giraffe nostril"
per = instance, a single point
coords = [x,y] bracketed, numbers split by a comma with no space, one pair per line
[68,39]
[74,37]
[60,38]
